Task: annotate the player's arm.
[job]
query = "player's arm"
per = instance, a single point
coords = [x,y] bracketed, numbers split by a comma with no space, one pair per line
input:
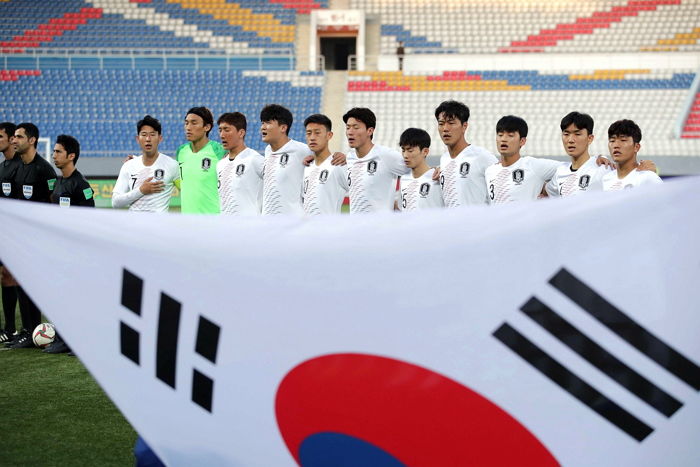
[49,175]
[646,165]
[124,192]
[551,189]
[341,176]
[396,164]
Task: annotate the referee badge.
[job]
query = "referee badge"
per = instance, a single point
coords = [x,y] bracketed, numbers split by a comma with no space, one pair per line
[464,169]
[424,190]
[323,176]
[206,163]
[584,181]
[27,191]
[518,176]
[158,174]
[6,188]
[372,167]
[284,158]
[240,169]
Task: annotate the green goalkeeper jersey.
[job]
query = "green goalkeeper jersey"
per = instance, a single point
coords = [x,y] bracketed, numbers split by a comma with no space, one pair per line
[199,191]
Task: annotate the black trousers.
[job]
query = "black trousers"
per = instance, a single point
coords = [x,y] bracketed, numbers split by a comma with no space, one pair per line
[30,313]
[9,303]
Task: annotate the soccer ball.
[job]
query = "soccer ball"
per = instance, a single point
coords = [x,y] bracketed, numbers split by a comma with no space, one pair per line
[43,335]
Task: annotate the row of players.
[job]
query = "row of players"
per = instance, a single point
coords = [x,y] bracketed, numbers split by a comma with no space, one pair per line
[297,178]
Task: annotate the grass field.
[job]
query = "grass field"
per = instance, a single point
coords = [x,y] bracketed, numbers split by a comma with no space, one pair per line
[55,414]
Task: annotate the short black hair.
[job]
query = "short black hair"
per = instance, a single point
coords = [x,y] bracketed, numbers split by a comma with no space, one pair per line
[235,119]
[625,128]
[362,114]
[511,124]
[31,130]
[148,121]
[579,120]
[415,137]
[9,128]
[453,109]
[278,113]
[205,114]
[70,144]
[320,119]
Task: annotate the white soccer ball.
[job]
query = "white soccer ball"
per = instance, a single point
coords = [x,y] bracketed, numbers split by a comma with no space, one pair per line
[43,335]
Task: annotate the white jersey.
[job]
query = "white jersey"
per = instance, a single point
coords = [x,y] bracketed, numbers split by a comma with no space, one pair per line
[373,178]
[634,179]
[132,175]
[325,188]
[420,193]
[241,183]
[521,181]
[462,178]
[282,179]
[568,182]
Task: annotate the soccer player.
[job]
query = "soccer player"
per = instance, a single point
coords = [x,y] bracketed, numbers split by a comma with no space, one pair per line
[585,173]
[325,184]
[418,190]
[284,163]
[373,169]
[623,143]
[146,182]
[516,178]
[240,172]
[199,189]
[34,181]
[8,169]
[463,165]
[71,189]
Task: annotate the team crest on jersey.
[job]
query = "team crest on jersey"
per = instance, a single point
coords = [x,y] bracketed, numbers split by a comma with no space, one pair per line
[464,169]
[240,169]
[158,174]
[6,188]
[323,176]
[206,163]
[27,191]
[284,159]
[584,181]
[424,190]
[372,167]
[518,176]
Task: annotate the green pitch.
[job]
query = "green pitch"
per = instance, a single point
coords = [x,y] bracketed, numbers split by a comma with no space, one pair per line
[55,414]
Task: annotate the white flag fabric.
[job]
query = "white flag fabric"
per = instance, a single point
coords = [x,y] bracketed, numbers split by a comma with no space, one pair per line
[557,332]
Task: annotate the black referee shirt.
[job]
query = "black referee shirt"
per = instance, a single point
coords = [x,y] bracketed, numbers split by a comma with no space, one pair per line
[8,170]
[73,191]
[34,181]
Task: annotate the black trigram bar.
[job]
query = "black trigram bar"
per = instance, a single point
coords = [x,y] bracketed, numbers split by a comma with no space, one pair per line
[132,291]
[600,358]
[166,348]
[129,340]
[571,383]
[207,339]
[202,390]
[626,328]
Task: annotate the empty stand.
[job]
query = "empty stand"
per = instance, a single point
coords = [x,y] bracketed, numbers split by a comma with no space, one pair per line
[101,107]
[651,98]
[691,129]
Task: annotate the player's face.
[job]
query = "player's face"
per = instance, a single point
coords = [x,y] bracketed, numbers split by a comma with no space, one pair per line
[272,132]
[61,158]
[451,130]
[231,137]
[509,143]
[195,129]
[149,139]
[622,148]
[575,140]
[413,156]
[357,133]
[317,137]
[21,141]
[5,140]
